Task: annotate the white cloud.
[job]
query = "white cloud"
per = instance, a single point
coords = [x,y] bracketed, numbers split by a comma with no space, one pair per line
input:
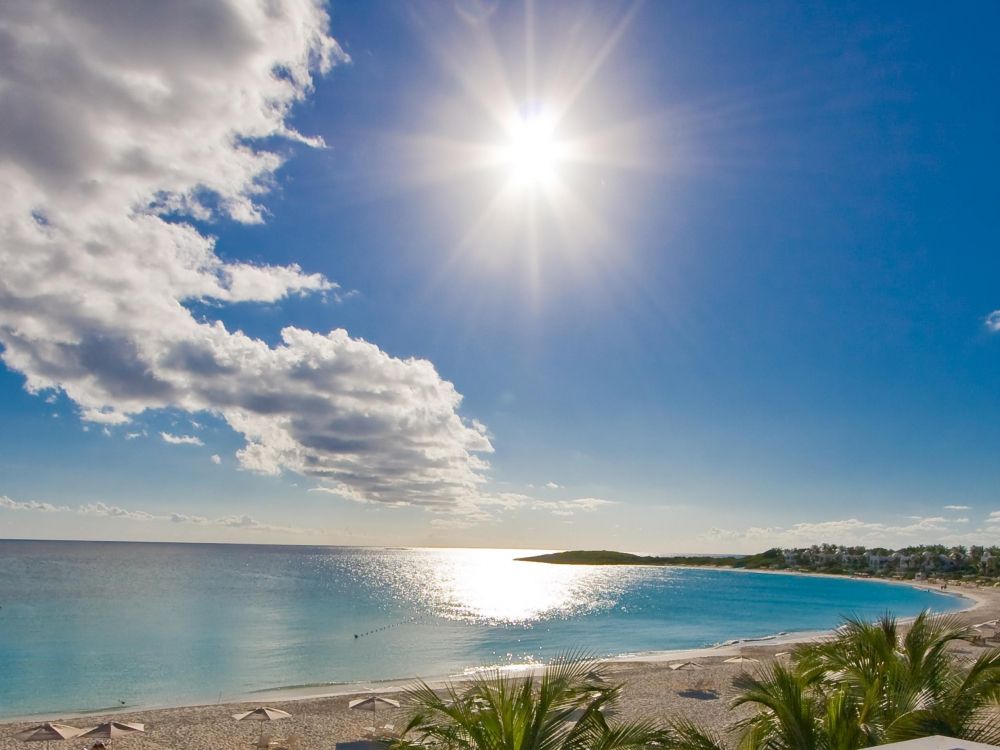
[552,485]
[113,511]
[958,507]
[240,521]
[993,321]
[850,531]
[181,439]
[110,138]
[508,501]
[8,504]
[569,507]
[216,459]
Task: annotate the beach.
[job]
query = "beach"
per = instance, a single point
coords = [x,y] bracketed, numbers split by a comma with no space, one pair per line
[651,691]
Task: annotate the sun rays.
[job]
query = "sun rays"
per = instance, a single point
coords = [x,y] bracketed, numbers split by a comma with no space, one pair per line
[515,154]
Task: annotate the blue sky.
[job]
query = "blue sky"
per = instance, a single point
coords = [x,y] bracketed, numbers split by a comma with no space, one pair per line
[748,304]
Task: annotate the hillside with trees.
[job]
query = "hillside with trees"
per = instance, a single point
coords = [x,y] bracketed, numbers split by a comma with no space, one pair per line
[916,562]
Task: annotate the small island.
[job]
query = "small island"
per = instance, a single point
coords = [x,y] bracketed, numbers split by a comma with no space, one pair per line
[608,557]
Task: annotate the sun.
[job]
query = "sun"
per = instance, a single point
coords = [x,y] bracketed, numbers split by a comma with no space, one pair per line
[533,150]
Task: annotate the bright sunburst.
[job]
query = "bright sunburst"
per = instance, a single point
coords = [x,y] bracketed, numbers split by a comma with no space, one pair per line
[533,151]
[523,147]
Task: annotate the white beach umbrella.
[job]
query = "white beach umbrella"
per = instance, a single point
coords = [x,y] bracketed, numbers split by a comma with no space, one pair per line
[741,660]
[48,732]
[371,703]
[262,714]
[113,729]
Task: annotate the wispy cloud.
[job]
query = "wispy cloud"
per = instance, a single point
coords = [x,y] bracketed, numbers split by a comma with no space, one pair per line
[553,485]
[958,507]
[113,511]
[7,503]
[181,439]
[508,501]
[993,321]
[238,521]
[570,507]
[853,531]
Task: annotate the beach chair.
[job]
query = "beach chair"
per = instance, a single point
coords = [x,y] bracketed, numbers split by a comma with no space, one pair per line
[363,745]
[380,731]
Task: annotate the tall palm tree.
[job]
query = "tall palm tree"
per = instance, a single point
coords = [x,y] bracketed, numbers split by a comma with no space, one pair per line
[561,709]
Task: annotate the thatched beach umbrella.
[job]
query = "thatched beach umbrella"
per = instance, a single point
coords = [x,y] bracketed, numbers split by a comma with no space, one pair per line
[687,666]
[371,703]
[114,729]
[48,732]
[262,714]
[742,661]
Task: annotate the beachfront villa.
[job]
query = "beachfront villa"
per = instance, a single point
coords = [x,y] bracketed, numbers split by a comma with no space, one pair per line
[934,559]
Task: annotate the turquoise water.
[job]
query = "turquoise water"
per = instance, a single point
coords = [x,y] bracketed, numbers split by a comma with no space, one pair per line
[86,625]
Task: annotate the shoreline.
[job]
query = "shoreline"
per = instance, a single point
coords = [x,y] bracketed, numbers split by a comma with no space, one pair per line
[305,693]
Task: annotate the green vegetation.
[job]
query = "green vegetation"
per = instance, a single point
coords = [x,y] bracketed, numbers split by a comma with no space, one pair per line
[560,710]
[606,557]
[869,686]
[975,564]
[872,684]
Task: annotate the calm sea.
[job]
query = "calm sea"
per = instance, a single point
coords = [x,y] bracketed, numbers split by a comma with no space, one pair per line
[86,626]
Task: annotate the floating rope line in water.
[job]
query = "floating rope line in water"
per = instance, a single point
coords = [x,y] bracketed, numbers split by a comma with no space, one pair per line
[411,621]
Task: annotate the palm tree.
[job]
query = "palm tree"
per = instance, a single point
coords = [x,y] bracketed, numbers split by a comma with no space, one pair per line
[868,686]
[908,686]
[560,710]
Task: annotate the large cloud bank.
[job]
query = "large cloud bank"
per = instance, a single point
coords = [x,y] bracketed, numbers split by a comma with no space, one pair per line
[120,118]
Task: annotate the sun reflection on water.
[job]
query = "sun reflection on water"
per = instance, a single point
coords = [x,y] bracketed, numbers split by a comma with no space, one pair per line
[491,586]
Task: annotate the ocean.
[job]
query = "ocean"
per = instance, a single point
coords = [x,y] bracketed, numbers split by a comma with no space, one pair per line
[86,626]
